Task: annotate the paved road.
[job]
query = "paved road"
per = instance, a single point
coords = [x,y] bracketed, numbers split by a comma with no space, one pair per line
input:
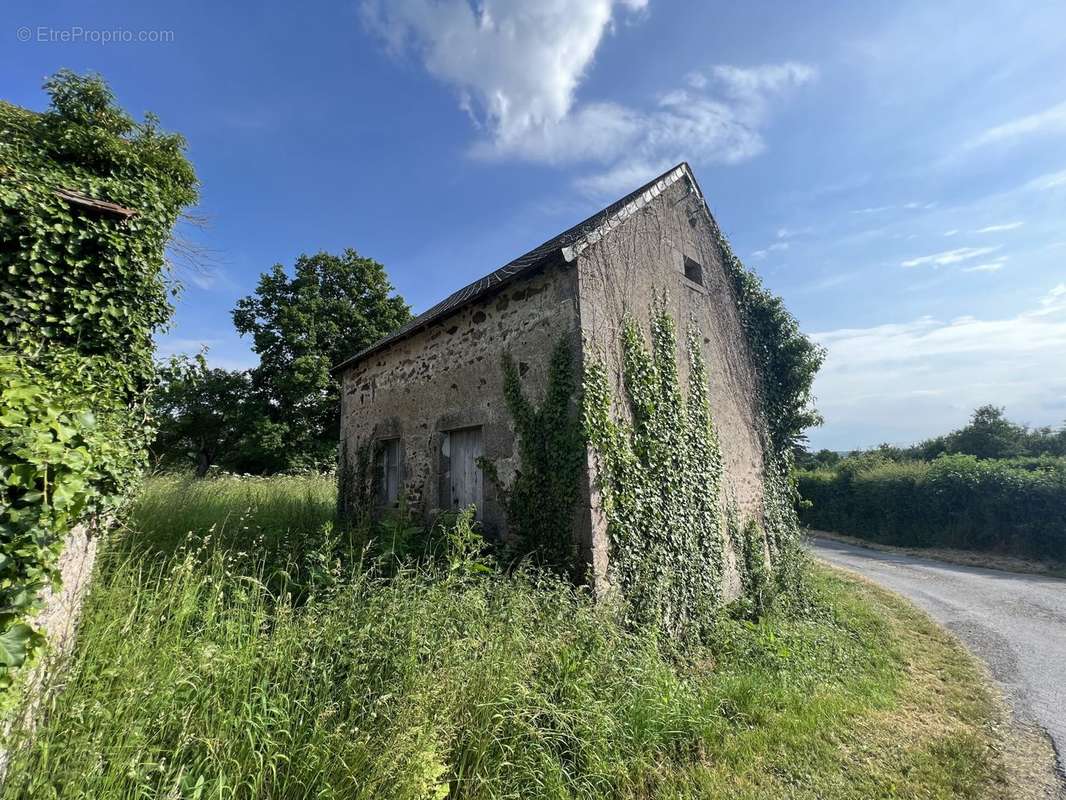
[1016,623]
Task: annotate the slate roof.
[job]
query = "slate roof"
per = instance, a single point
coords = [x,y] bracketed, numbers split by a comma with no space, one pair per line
[566,245]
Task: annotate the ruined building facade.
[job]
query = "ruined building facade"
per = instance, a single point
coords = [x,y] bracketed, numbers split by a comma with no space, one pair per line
[425,403]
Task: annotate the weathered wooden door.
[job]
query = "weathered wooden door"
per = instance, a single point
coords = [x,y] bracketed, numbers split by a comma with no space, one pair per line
[465,476]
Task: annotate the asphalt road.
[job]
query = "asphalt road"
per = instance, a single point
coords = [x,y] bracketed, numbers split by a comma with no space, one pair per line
[1016,623]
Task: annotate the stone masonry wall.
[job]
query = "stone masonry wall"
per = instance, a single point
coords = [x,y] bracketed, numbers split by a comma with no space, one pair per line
[449,376]
[57,620]
[620,275]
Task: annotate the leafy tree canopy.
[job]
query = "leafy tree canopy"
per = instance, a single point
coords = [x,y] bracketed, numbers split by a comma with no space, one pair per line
[203,415]
[991,435]
[988,435]
[301,326]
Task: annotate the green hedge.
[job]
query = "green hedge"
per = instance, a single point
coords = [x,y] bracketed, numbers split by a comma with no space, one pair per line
[1015,506]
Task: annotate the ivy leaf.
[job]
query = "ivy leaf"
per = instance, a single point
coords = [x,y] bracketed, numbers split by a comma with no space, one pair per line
[15,644]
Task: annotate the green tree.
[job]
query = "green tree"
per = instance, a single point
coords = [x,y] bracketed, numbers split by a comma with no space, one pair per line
[989,435]
[301,326]
[205,416]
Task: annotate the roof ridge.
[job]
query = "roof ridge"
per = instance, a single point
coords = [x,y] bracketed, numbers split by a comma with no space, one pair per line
[569,244]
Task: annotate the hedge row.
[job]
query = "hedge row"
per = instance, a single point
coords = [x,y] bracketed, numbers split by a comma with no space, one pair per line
[1012,506]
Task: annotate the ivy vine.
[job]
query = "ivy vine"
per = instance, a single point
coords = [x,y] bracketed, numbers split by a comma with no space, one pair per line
[785,359]
[81,294]
[660,479]
[541,501]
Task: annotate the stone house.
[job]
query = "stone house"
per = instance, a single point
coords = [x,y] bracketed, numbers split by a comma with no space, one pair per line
[428,399]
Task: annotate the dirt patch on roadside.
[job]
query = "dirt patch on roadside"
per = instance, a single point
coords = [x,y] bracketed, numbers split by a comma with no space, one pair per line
[1032,770]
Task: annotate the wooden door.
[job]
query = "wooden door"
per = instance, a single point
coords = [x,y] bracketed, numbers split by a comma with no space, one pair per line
[465,476]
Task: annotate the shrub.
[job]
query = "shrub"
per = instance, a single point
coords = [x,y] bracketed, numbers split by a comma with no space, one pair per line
[1014,506]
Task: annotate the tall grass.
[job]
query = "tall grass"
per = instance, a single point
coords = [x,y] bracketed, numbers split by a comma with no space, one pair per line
[199,673]
[275,514]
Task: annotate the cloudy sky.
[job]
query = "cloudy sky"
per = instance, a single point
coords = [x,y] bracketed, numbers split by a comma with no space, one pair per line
[896,171]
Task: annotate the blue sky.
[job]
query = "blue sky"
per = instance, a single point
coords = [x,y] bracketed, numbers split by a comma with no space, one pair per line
[896,171]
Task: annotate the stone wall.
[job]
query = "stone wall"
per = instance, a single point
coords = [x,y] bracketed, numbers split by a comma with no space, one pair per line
[449,376]
[621,273]
[58,621]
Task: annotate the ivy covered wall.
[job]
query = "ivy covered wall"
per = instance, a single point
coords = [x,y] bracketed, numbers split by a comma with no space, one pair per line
[659,478]
[88,199]
[690,443]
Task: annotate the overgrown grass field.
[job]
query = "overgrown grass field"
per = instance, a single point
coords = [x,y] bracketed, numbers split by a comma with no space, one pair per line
[238,645]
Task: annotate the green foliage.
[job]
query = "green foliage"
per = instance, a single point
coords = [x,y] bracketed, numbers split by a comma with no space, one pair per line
[756,580]
[81,293]
[1010,506]
[990,434]
[65,455]
[301,327]
[205,417]
[660,478]
[786,360]
[542,499]
[71,277]
[197,675]
[824,458]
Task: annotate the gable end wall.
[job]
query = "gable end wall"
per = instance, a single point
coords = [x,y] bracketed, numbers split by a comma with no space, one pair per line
[619,275]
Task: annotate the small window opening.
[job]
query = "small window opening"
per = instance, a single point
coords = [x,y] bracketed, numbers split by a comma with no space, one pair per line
[693,271]
[388,472]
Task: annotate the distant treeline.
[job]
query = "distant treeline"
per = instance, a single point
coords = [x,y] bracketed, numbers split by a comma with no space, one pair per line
[993,485]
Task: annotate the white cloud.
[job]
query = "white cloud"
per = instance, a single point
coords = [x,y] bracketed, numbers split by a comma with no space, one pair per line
[686,124]
[1006,226]
[1053,302]
[789,233]
[1050,180]
[754,85]
[872,210]
[991,266]
[776,247]
[202,278]
[697,80]
[1051,120]
[949,256]
[872,376]
[952,232]
[516,66]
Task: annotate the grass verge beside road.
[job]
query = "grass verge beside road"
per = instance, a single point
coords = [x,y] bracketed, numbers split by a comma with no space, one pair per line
[233,647]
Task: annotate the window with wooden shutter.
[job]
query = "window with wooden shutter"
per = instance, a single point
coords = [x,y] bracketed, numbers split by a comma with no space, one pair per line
[388,471]
[460,451]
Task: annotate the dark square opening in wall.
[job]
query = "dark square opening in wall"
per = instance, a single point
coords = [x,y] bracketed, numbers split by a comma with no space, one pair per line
[693,271]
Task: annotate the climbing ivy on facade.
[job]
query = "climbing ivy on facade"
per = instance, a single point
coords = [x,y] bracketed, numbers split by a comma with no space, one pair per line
[541,501]
[88,199]
[660,479]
